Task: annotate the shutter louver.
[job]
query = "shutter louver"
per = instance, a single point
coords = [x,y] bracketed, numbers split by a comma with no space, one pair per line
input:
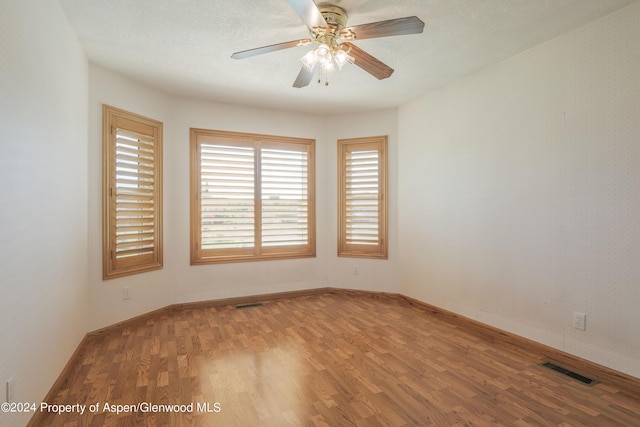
[133,195]
[285,207]
[227,196]
[362,198]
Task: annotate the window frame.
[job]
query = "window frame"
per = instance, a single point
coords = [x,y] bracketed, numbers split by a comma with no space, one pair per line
[115,118]
[258,252]
[346,249]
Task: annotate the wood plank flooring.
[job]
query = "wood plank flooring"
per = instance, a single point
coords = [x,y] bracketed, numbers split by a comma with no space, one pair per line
[322,360]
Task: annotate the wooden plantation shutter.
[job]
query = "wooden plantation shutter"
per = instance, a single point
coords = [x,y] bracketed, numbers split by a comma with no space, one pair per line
[285,201]
[227,202]
[132,193]
[362,197]
[252,197]
[362,228]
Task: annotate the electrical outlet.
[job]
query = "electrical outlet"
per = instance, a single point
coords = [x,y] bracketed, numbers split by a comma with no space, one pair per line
[10,390]
[126,292]
[355,270]
[580,321]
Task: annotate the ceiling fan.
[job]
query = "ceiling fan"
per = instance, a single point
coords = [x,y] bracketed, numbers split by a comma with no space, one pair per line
[327,25]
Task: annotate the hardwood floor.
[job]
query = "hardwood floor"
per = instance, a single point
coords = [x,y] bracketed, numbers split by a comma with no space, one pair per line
[322,360]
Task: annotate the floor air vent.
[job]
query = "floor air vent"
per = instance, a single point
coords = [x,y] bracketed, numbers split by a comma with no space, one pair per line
[569,373]
[255,304]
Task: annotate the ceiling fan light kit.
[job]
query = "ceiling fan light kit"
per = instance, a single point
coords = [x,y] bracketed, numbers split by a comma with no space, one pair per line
[328,28]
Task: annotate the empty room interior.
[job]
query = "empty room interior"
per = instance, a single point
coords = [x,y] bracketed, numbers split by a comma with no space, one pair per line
[357,213]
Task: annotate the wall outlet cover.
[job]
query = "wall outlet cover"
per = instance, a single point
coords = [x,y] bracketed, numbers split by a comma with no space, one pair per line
[580,321]
[10,390]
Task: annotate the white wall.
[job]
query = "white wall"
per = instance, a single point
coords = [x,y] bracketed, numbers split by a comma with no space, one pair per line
[519,193]
[43,224]
[151,290]
[205,282]
[178,281]
[372,274]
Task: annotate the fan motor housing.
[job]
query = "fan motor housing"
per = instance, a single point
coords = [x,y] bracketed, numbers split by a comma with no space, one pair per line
[334,15]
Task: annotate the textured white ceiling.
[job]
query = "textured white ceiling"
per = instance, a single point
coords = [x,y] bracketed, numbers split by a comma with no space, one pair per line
[184,47]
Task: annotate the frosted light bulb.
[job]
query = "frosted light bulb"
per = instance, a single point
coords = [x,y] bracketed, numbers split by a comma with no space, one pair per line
[322,51]
[309,60]
[341,57]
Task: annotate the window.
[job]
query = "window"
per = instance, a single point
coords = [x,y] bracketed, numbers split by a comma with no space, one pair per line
[252,197]
[132,193]
[362,203]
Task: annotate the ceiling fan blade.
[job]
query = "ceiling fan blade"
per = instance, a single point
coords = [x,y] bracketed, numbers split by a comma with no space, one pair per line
[371,65]
[309,13]
[270,48]
[304,77]
[392,27]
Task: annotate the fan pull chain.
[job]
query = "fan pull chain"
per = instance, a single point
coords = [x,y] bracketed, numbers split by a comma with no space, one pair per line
[326,76]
